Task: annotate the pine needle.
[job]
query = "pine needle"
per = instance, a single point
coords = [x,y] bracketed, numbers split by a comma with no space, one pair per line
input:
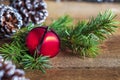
[84,37]
[17,52]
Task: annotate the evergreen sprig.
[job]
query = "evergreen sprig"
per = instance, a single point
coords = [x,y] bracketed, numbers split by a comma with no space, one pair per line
[62,24]
[82,38]
[85,36]
[17,52]
[12,51]
[41,62]
[101,25]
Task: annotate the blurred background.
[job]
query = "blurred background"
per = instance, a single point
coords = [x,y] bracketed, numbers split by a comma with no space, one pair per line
[91,0]
[81,9]
[78,9]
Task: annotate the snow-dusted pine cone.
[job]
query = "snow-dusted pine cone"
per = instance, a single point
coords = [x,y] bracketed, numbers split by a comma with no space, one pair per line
[10,20]
[8,71]
[31,10]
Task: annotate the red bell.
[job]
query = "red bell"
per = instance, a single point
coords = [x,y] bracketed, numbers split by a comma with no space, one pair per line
[46,43]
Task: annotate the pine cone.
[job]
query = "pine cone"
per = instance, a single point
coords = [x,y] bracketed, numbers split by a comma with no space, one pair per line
[8,71]
[10,20]
[31,10]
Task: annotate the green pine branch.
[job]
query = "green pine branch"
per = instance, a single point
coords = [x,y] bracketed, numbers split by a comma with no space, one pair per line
[21,34]
[12,51]
[84,37]
[40,63]
[103,24]
[61,25]
[17,52]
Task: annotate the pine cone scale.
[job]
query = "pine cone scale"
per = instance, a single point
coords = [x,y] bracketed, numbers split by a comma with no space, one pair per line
[8,71]
[31,10]
[10,21]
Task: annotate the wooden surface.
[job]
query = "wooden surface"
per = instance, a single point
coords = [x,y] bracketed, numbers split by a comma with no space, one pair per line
[105,66]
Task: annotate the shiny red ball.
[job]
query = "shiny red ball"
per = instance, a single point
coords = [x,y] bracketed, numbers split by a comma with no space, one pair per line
[46,42]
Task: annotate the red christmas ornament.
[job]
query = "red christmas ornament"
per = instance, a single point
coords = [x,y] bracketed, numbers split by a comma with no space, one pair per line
[45,42]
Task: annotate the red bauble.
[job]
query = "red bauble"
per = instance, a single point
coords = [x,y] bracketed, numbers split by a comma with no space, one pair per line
[46,42]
